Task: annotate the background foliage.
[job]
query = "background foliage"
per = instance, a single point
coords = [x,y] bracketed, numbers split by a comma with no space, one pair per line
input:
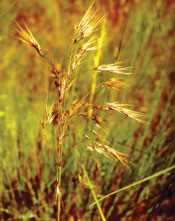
[138,33]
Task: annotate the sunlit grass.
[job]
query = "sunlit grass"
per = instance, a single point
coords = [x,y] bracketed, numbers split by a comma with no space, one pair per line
[134,34]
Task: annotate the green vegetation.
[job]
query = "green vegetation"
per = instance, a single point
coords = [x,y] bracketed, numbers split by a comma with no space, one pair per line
[67,100]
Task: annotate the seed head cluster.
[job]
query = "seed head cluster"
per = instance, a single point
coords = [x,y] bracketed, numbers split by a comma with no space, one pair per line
[84,41]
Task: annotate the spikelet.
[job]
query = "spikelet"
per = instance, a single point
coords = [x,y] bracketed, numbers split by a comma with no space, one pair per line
[98,121]
[88,24]
[90,45]
[49,117]
[113,83]
[27,37]
[81,52]
[113,68]
[122,108]
[86,28]
[77,108]
[107,151]
[99,136]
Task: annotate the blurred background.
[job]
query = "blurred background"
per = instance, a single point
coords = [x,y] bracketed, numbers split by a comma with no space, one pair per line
[139,34]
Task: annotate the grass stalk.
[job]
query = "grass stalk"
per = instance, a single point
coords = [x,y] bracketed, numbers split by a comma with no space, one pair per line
[135,183]
[59,162]
[96,63]
[84,41]
[93,193]
[59,194]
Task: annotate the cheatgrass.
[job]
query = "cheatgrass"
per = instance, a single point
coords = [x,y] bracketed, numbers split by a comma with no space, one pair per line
[84,122]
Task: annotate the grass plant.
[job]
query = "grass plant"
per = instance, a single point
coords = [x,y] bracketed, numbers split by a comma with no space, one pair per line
[68,103]
[82,43]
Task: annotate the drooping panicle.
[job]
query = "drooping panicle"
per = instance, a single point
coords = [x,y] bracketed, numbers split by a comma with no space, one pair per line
[121,108]
[115,68]
[27,37]
[88,24]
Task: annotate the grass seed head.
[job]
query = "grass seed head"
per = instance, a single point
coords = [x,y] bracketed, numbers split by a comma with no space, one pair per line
[122,108]
[108,152]
[88,24]
[113,68]
[27,37]
[114,83]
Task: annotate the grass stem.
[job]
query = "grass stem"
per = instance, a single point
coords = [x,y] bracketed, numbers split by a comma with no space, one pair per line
[93,193]
[135,183]
[59,194]
[96,63]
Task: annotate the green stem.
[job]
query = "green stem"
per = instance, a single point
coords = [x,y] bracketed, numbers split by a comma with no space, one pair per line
[59,161]
[93,193]
[59,195]
[96,64]
[136,183]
